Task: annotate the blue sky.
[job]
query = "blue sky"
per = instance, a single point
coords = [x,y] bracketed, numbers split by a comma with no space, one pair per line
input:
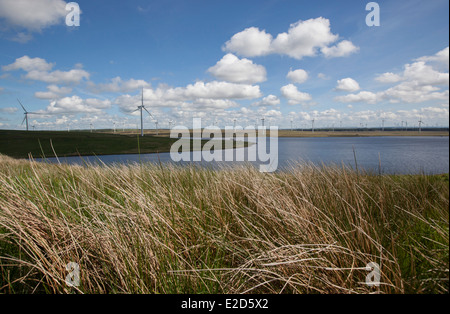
[224,60]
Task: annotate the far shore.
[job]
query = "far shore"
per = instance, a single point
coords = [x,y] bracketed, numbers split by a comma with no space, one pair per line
[319,133]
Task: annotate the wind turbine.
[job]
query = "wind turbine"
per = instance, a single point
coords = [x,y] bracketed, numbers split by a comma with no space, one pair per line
[26,113]
[262,120]
[420,125]
[170,124]
[141,107]
[157,130]
[312,127]
[382,127]
[291,125]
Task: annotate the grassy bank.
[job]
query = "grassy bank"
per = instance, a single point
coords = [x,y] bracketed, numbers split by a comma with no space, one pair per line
[20,144]
[147,229]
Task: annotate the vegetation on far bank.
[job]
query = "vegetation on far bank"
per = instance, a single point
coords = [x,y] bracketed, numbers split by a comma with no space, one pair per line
[151,229]
[20,144]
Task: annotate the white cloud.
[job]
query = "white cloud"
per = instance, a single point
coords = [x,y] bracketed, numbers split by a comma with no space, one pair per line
[419,82]
[75,104]
[424,74]
[303,39]
[293,95]
[28,64]
[347,85]
[73,76]
[54,92]
[216,90]
[364,96]
[342,49]
[270,100]
[298,76]
[441,57]
[412,92]
[205,95]
[117,85]
[38,69]
[388,77]
[251,42]
[31,14]
[232,69]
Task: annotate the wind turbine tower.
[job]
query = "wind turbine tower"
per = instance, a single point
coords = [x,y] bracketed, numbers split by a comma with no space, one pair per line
[312,125]
[142,107]
[26,113]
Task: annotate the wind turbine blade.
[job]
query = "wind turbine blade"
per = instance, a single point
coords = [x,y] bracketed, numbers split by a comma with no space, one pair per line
[149,113]
[23,121]
[21,105]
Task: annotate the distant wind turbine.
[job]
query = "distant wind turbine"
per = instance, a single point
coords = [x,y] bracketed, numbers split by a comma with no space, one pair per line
[420,125]
[26,113]
[140,108]
[312,125]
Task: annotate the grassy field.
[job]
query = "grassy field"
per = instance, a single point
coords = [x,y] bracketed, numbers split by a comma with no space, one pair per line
[19,144]
[149,229]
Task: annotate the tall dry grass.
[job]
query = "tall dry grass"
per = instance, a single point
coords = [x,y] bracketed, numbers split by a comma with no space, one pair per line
[151,229]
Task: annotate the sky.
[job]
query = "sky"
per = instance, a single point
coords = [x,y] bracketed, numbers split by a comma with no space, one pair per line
[289,62]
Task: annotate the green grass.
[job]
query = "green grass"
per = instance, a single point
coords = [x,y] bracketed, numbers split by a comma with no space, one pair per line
[151,229]
[20,144]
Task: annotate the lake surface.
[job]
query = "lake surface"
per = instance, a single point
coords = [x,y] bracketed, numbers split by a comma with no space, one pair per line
[396,155]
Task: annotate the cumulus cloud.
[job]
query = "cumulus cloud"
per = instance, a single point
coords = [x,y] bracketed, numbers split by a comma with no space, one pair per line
[213,94]
[303,39]
[411,92]
[293,95]
[31,15]
[419,82]
[442,57]
[75,104]
[39,70]
[347,85]
[232,69]
[364,96]
[28,64]
[298,76]
[270,100]
[54,92]
[342,49]
[251,42]
[388,77]
[118,85]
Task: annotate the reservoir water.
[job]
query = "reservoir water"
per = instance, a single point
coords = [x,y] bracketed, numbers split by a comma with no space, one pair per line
[388,155]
